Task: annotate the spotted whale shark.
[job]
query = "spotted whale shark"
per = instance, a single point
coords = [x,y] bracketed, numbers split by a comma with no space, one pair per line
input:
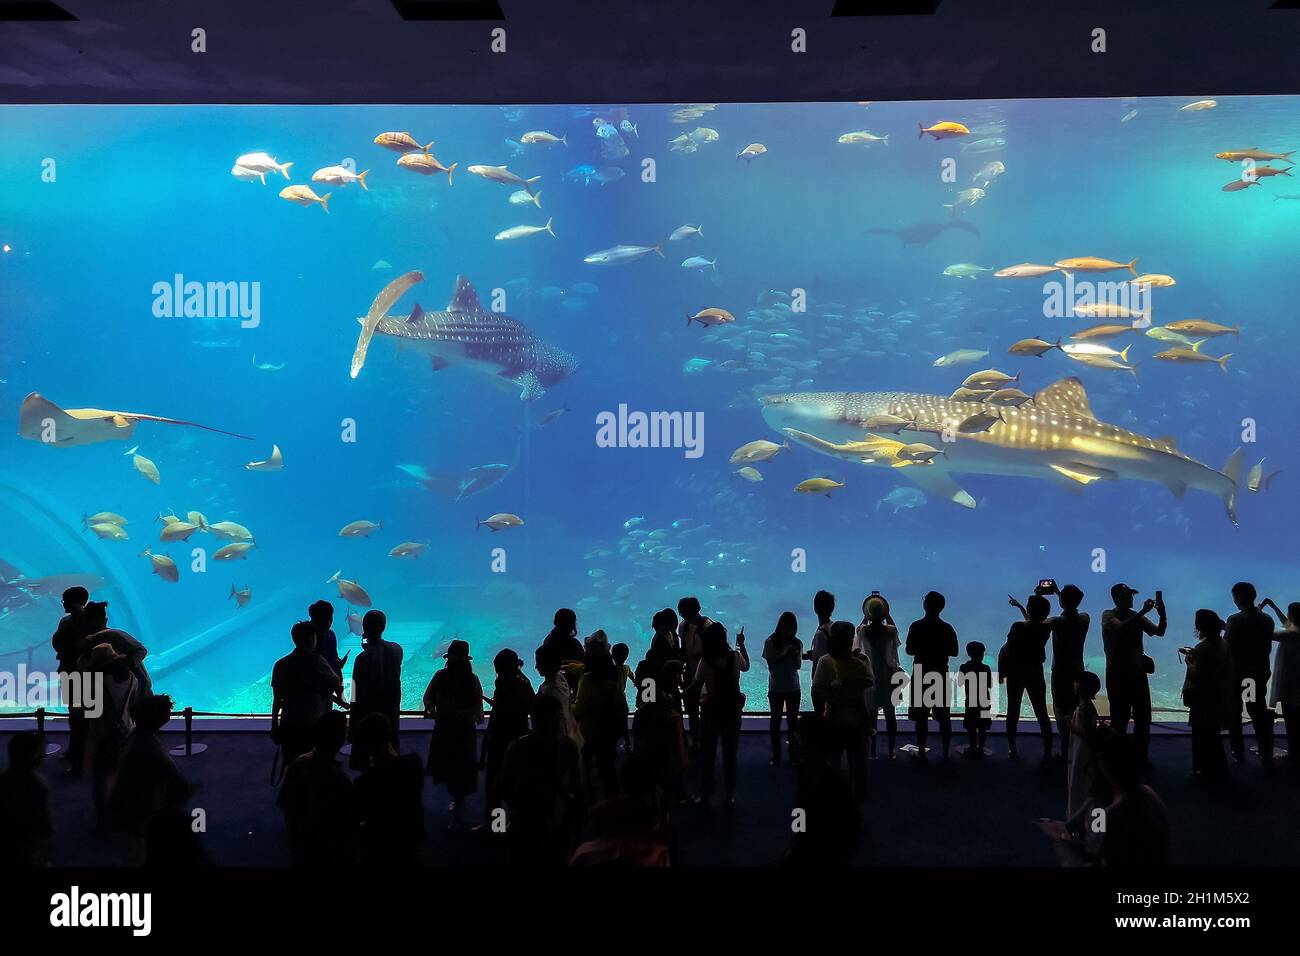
[490,343]
[1055,437]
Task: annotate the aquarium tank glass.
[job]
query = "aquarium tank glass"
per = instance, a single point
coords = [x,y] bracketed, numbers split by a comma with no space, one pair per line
[472,364]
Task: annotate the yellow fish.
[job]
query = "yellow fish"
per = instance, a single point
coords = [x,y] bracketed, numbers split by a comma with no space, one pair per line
[944,130]
[305,196]
[1094,264]
[817,486]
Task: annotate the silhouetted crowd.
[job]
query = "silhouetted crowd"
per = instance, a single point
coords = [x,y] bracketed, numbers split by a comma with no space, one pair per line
[591,765]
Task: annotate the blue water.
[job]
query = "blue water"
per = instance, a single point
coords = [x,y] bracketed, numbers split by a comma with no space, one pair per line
[143,194]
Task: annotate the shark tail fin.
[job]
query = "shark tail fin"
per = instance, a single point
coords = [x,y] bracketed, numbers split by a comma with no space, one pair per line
[361,178]
[451,169]
[1232,471]
[325,202]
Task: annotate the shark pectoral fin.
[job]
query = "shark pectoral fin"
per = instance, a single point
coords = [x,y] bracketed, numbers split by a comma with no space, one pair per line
[939,484]
[530,387]
[437,363]
[1179,488]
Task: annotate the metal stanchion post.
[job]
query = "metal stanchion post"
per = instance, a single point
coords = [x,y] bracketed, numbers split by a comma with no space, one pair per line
[189,748]
[50,748]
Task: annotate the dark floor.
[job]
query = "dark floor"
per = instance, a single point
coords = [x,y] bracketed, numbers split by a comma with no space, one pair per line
[959,813]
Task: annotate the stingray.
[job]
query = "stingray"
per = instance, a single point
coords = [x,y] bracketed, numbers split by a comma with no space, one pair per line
[85,426]
[923,233]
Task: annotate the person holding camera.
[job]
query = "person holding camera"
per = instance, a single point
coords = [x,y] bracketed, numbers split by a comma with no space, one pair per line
[1127,664]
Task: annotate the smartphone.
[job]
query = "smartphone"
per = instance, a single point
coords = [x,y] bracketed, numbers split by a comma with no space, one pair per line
[1160,597]
[875,594]
[1047,586]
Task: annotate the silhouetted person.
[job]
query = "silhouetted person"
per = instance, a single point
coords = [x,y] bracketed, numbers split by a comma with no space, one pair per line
[977,682]
[108,729]
[831,826]
[26,827]
[600,709]
[561,644]
[376,683]
[1249,634]
[145,775]
[454,699]
[931,641]
[387,799]
[783,652]
[1020,664]
[317,800]
[824,608]
[664,645]
[1137,824]
[69,643]
[512,696]
[1069,633]
[620,652]
[1083,788]
[877,640]
[690,633]
[321,615]
[721,704]
[1285,690]
[540,783]
[1210,695]
[98,632]
[843,681]
[1127,665]
[302,686]
[555,684]
[658,733]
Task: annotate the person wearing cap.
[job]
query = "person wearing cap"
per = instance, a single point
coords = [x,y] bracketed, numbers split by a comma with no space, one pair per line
[69,643]
[1127,686]
[376,684]
[512,696]
[877,640]
[1249,634]
[1210,694]
[454,699]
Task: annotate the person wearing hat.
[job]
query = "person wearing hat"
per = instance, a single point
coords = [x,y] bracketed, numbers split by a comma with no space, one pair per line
[98,632]
[454,699]
[1127,667]
[1210,694]
[511,698]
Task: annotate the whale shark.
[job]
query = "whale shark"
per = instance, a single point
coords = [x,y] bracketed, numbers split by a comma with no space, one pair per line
[490,343]
[1055,437]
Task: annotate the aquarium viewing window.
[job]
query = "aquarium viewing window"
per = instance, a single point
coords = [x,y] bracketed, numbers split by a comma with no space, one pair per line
[471,364]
